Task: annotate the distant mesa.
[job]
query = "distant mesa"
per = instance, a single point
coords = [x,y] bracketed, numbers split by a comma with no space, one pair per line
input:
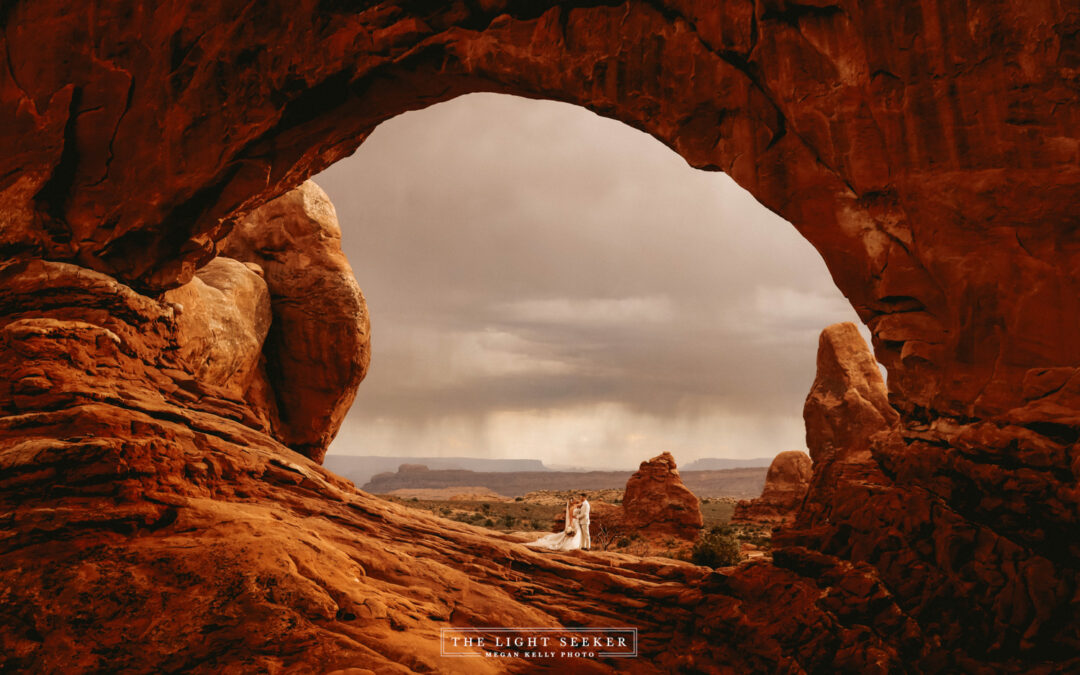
[362,468]
[737,483]
[720,463]
[786,484]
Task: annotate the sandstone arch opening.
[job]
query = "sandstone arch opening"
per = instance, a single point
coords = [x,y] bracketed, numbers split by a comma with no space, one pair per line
[549,284]
[928,151]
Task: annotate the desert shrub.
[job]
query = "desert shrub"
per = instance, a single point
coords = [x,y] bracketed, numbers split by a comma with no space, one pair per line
[623,542]
[638,547]
[761,539]
[489,523]
[716,548]
[485,507]
[509,520]
[536,524]
[519,499]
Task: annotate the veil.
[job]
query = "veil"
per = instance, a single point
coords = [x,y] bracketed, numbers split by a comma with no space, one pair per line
[567,540]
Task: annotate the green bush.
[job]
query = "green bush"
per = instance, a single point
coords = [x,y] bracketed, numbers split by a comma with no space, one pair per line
[716,548]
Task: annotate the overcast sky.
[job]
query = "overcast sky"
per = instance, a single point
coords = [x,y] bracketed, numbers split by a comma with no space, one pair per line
[547,283]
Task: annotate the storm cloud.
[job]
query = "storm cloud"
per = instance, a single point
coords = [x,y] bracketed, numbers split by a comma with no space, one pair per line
[547,283]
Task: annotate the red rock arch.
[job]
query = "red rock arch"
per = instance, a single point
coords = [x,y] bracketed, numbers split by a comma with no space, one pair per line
[929,151]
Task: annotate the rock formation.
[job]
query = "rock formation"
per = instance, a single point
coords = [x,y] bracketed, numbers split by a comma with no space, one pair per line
[785,487]
[657,503]
[222,316]
[847,407]
[928,150]
[319,345]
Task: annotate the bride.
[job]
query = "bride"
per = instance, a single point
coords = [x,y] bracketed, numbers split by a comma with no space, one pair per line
[567,540]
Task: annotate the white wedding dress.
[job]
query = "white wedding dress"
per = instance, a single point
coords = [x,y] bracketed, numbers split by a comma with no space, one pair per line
[567,540]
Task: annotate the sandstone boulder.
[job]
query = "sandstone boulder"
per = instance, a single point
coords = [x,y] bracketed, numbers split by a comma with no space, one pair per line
[223,315]
[657,503]
[785,487]
[319,343]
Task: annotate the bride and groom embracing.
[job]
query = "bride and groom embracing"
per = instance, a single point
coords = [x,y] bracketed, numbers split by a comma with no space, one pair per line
[576,533]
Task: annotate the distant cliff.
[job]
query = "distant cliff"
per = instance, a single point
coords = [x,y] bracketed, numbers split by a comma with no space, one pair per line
[361,468]
[718,463]
[742,483]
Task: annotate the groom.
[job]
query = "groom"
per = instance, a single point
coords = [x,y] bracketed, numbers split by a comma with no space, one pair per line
[583,523]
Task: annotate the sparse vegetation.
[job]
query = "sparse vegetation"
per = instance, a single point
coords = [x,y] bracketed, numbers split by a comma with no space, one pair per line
[717,511]
[718,547]
[505,516]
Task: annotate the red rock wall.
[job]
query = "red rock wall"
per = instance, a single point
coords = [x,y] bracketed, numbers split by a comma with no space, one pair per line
[927,149]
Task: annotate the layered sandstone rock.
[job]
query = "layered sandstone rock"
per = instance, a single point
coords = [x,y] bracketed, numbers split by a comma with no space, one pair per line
[148,525]
[657,503]
[847,407]
[928,150]
[319,345]
[785,487]
[223,315]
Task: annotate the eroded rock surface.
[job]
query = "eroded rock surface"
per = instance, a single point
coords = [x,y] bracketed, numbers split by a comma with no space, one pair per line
[785,487]
[928,150]
[319,345]
[847,407]
[148,525]
[223,315]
